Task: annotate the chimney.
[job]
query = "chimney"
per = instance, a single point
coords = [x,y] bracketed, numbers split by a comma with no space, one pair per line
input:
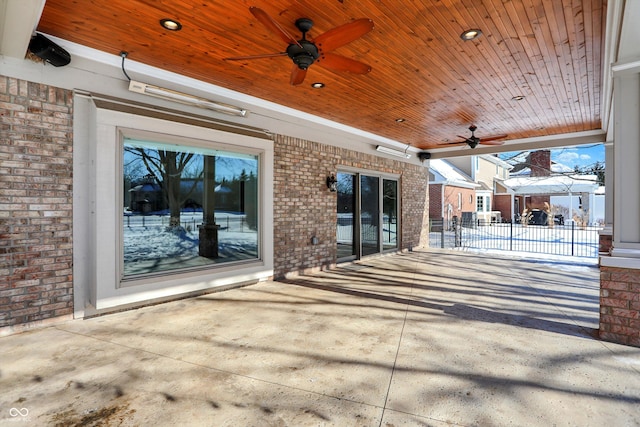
[540,163]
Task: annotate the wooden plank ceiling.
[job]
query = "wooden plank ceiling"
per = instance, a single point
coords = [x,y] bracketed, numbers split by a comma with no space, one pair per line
[549,51]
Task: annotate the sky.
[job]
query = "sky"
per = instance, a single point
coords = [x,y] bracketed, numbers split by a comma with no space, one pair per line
[581,156]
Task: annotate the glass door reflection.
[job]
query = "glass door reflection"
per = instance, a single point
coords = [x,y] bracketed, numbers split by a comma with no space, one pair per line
[346,214]
[389,214]
[369,214]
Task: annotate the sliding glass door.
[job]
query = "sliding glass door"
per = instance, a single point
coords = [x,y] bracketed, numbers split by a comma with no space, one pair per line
[346,216]
[367,215]
[389,214]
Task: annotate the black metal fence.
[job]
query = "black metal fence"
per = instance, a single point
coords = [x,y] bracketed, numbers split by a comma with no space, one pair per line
[569,239]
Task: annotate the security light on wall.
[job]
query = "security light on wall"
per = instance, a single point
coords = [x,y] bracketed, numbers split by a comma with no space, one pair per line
[184,98]
[332,183]
[393,152]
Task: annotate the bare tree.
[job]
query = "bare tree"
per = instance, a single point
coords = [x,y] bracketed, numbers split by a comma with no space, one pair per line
[167,168]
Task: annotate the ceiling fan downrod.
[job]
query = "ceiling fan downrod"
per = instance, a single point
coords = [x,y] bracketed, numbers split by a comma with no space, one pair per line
[305,52]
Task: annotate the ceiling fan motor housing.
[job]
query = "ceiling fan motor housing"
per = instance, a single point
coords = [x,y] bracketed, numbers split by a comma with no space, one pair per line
[304,55]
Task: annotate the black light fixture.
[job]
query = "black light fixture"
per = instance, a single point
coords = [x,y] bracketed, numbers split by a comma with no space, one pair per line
[47,50]
[332,183]
[423,155]
[171,24]
[470,34]
[518,98]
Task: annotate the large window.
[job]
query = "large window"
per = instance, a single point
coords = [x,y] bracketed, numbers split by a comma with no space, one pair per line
[187,207]
[483,203]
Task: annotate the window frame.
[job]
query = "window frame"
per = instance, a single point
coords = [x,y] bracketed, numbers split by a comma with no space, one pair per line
[178,142]
[381,176]
[98,177]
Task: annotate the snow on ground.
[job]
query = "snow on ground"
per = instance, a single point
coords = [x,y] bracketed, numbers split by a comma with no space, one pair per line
[562,241]
[146,237]
[568,263]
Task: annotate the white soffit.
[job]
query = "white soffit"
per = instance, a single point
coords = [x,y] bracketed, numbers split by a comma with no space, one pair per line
[18,20]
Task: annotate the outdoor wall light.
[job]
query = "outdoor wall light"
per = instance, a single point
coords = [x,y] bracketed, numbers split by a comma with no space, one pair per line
[332,183]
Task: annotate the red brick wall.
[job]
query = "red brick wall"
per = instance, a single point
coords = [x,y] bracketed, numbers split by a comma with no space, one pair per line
[540,163]
[35,203]
[620,305]
[303,206]
[468,199]
[538,202]
[435,201]
[502,203]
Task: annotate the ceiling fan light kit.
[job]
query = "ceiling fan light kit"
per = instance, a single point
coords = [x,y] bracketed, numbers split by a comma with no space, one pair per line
[183,98]
[393,152]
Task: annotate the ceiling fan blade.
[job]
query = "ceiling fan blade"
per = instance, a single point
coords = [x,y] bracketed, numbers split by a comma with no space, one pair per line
[297,75]
[266,55]
[273,25]
[334,62]
[492,138]
[343,34]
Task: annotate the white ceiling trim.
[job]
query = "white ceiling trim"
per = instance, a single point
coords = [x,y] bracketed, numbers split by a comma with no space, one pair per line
[18,20]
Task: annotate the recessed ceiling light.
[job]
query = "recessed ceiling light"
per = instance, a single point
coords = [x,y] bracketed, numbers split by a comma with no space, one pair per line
[518,98]
[171,24]
[317,85]
[400,120]
[470,34]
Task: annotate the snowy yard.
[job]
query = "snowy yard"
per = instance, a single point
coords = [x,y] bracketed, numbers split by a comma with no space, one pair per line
[149,247]
[569,240]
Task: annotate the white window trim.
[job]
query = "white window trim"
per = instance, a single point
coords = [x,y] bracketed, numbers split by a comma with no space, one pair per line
[97,216]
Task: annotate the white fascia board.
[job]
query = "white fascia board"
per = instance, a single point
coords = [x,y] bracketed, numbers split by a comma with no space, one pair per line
[18,21]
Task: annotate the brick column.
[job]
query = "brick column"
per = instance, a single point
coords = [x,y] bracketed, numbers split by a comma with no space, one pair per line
[35,204]
[620,305]
[620,270]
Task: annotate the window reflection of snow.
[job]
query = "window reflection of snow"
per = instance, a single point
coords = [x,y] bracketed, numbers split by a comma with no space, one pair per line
[150,245]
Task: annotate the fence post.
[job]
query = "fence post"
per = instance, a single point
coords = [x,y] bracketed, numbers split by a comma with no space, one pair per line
[442,233]
[573,231]
[511,236]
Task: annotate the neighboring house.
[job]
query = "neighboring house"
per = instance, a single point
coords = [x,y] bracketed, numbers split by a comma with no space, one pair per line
[147,196]
[489,172]
[536,182]
[451,192]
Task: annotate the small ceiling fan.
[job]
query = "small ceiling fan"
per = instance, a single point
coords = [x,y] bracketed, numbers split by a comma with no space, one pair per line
[472,141]
[305,52]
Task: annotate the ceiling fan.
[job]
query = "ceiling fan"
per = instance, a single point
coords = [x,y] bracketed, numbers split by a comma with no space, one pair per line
[305,52]
[472,141]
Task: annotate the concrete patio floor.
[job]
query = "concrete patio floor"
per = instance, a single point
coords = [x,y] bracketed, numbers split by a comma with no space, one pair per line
[426,338]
